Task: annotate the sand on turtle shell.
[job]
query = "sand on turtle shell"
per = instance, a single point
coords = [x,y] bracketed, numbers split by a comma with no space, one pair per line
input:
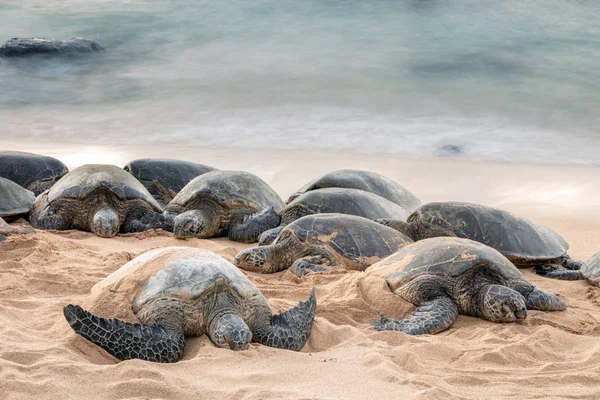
[549,355]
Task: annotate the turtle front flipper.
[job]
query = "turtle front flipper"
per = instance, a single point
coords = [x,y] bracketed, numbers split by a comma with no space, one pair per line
[150,220]
[569,263]
[544,301]
[291,329]
[305,265]
[159,343]
[268,237]
[249,229]
[558,272]
[431,317]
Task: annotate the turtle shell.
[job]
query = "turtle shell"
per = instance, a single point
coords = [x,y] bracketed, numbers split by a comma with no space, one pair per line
[515,237]
[441,256]
[346,201]
[191,273]
[83,181]
[591,270]
[172,175]
[363,180]
[359,241]
[230,189]
[15,199]
[26,169]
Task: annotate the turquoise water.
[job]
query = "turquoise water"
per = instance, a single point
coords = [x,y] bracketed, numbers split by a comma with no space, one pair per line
[509,80]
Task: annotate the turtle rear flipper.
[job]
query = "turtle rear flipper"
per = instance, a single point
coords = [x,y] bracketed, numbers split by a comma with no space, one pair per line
[126,340]
[290,329]
[569,263]
[430,317]
[558,272]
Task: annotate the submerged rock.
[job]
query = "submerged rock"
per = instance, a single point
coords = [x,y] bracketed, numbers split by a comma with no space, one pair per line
[18,47]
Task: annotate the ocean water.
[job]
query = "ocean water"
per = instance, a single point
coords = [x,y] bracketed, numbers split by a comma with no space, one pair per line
[510,80]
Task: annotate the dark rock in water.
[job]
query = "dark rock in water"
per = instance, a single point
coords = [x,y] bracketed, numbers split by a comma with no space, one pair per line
[18,47]
[449,150]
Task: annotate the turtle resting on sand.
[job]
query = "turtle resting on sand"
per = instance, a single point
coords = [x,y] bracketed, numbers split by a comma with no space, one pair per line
[322,201]
[215,203]
[32,171]
[445,277]
[18,47]
[15,202]
[589,271]
[317,242]
[523,242]
[191,293]
[165,178]
[103,199]
[363,180]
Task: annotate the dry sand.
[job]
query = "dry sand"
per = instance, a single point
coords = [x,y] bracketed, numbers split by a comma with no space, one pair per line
[549,355]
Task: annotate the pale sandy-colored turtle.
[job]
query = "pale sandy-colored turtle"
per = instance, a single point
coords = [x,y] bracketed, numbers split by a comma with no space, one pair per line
[187,292]
[524,242]
[15,202]
[103,199]
[589,271]
[446,276]
[215,204]
[319,242]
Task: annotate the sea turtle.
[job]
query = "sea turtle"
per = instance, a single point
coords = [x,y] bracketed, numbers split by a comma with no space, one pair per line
[15,202]
[190,292]
[104,199]
[590,270]
[317,242]
[363,180]
[164,178]
[32,171]
[18,47]
[321,201]
[215,203]
[446,276]
[523,242]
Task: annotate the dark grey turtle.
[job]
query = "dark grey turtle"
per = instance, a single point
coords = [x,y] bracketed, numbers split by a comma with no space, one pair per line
[191,292]
[445,277]
[103,199]
[322,201]
[317,242]
[19,47]
[15,202]
[591,270]
[215,203]
[32,171]
[523,242]
[165,178]
[363,180]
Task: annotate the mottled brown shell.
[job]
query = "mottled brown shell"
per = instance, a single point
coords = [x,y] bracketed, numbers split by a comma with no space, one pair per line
[443,256]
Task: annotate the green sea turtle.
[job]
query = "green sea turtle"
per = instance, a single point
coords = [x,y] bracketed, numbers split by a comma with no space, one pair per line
[322,201]
[103,199]
[590,271]
[363,180]
[32,171]
[215,203]
[19,47]
[523,242]
[164,178]
[190,292]
[317,242]
[15,202]
[445,277]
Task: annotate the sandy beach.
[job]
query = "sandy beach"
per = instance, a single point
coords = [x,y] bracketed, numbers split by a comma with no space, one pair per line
[554,355]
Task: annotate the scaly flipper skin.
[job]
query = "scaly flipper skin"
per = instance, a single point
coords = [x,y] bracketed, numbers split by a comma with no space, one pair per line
[291,329]
[430,317]
[250,228]
[543,301]
[268,237]
[557,272]
[149,221]
[501,304]
[305,265]
[126,340]
[569,263]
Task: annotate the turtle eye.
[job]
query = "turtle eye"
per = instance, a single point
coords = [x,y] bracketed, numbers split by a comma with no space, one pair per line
[50,212]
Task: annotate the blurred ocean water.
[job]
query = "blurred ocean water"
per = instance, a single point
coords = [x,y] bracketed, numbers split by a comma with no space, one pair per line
[510,80]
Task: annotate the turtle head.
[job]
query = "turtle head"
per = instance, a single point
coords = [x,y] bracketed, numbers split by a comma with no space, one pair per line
[253,259]
[229,330]
[105,222]
[193,223]
[252,226]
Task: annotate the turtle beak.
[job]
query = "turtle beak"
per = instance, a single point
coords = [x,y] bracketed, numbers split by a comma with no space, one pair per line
[105,223]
